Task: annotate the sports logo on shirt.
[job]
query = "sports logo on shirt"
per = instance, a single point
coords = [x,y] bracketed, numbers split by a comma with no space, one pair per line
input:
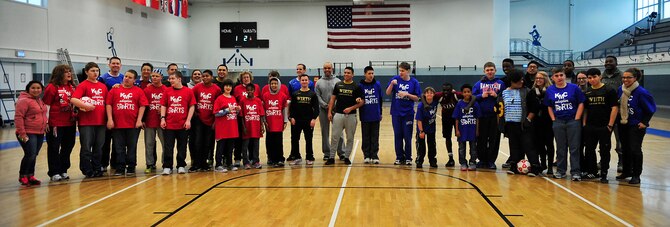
[126,95]
[273,103]
[403,87]
[96,91]
[205,96]
[157,96]
[175,98]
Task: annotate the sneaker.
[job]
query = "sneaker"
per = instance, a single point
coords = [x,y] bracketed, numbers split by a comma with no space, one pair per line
[297,161]
[237,163]
[559,175]
[375,161]
[65,176]
[408,162]
[234,168]
[419,166]
[472,167]
[56,178]
[148,170]
[220,169]
[433,165]
[24,181]
[206,169]
[258,165]
[310,162]
[510,172]
[279,164]
[34,181]
[576,177]
[397,162]
[348,162]
[531,174]
[193,169]
[492,165]
[506,165]
[623,176]
[119,172]
[603,179]
[366,161]
[325,158]
[247,166]
[98,174]
[181,170]
[590,176]
[330,161]
[166,171]
[464,168]
[550,171]
[450,163]
[130,173]
[633,180]
[342,157]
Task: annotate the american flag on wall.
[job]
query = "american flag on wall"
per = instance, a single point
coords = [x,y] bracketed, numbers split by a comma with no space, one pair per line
[369,26]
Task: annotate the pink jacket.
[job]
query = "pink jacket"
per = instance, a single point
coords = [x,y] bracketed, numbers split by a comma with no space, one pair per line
[30,116]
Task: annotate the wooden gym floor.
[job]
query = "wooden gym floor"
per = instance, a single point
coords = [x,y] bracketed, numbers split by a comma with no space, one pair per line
[339,195]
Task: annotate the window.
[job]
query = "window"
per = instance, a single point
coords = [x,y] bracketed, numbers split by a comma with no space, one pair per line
[666,8]
[41,3]
[645,7]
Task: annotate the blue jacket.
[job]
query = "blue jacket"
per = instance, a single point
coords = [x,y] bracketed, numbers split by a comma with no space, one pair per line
[294,85]
[110,81]
[487,104]
[372,110]
[641,106]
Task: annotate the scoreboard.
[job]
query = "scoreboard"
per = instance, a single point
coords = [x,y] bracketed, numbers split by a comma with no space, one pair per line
[241,35]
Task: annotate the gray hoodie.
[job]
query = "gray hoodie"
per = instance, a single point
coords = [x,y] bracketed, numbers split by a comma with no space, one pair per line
[324,89]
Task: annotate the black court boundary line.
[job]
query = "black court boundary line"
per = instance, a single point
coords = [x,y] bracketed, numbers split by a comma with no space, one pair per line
[500,214]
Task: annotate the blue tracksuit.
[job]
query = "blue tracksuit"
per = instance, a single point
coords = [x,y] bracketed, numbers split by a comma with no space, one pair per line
[402,116]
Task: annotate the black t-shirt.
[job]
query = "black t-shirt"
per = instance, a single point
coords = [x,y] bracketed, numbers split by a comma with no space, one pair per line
[304,105]
[345,96]
[599,103]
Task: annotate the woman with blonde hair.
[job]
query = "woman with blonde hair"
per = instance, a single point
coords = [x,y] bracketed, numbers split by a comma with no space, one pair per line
[544,136]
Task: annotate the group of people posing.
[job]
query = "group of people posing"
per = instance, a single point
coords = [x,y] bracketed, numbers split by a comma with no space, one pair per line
[221,121]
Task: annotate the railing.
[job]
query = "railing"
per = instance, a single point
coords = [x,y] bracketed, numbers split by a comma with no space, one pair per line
[552,57]
[626,50]
[645,25]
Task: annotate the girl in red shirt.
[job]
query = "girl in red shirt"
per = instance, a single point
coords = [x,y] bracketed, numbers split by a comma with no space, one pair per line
[89,97]
[254,120]
[62,131]
[225,127]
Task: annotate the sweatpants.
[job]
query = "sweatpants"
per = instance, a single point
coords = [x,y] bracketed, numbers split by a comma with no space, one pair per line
[402,132]
[421,148]
[370,143]
[304,127]
[180,136]
[348,123]
[59,147]
[125,147]
[274,146]
[150,144]
[325,135]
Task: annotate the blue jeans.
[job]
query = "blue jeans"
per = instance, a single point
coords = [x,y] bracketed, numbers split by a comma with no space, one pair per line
[31,149]
[125,147]
[90,155]
[568,134]
[402,131]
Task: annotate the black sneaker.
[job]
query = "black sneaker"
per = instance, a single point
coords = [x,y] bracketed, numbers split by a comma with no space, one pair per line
[623,176]
[118,172]
[450,163]
[342,157]
[347,161]
[433,165]
[419,166]
[193,169]
[634,180]
[279,164]
[325,158]
[603,179]
[506,165]
[330,161]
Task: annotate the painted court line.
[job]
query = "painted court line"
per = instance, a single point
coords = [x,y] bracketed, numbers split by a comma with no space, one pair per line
[333,217]
[94,202]
[589,202]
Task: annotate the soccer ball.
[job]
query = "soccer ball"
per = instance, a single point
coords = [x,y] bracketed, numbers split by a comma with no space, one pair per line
[523,166]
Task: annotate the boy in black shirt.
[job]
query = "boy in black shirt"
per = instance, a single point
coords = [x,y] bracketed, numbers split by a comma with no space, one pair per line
[346,98]
[303,111]
[599,114]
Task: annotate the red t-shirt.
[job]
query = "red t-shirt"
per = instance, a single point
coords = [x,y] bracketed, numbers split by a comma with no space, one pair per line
[274,110]
[177,102]
[252,110]
[240,92]
[96,92]
[205,97]
[58,98]
[126,103]
[152,116]
[225,127]
[282,89]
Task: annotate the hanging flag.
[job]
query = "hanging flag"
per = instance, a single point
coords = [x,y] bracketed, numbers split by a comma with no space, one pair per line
[141,2]
[155,4]
[369,26]
[184,8]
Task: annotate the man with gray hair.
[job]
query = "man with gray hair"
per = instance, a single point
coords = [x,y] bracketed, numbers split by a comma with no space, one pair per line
[324,90]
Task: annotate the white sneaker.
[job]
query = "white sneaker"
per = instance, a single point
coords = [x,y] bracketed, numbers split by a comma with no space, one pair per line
[56,177]
[375,161]
[234,168]
[65,176]
[366,160]
[220,169]
[181,170]
[297,161]
[167,171]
